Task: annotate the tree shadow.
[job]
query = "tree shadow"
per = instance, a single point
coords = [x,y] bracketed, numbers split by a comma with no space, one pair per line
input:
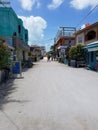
[5,90]
[26,68]
[14,101]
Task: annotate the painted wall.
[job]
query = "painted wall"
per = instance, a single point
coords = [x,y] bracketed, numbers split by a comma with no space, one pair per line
[8,22]
[11,25]
[80,38]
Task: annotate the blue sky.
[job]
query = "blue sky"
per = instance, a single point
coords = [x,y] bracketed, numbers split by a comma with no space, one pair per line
[44,17]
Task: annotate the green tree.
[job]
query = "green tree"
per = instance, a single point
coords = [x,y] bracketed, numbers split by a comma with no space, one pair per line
[67,52]
[52,50]
[77,52]
[80,52]
[4,55]
[73,53]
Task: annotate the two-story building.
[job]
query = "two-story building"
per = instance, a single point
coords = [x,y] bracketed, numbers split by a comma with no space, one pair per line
[88,36]
[64,38]
[14,33]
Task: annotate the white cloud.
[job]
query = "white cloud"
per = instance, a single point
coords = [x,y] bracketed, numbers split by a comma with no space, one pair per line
[38,4]
[28,4]
[55,4]
[83,26]
[35,26]
[81,4]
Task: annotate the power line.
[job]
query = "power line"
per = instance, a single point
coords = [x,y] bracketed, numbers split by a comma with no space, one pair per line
[87,15]
[94,17]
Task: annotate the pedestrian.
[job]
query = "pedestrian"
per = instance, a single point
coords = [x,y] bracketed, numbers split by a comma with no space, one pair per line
[48,57]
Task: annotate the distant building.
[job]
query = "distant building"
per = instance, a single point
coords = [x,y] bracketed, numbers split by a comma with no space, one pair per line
[14,33]
[65,37]
[37,52]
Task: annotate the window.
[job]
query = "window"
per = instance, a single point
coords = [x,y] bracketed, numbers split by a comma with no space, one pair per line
[14,34]
[26,36]
[90,35]
[19,29]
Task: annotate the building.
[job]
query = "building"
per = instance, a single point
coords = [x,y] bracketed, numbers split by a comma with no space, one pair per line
[14,33]
[64,38]
[88,36]
[37,52]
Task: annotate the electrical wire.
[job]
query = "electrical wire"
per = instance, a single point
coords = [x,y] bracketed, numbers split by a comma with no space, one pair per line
[87,15]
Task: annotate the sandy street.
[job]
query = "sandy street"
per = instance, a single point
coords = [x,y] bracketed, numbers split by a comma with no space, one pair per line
[51,96]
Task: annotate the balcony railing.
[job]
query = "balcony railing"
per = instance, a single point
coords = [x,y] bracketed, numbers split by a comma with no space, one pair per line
[65,32]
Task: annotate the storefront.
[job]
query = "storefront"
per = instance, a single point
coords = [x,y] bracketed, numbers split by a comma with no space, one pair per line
[92,55]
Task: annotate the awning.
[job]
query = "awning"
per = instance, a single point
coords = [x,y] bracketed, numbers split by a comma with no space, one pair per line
[92,46]
[8,46]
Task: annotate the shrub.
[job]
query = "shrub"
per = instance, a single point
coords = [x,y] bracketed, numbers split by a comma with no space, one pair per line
[4,55]
[80,52]
[76,52]
[73,53]
[67,52]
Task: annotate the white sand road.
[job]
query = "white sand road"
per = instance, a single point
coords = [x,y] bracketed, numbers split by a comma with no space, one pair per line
[51,96]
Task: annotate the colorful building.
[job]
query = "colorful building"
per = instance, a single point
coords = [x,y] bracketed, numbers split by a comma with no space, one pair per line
[14,33]
[88,36]
[37,52]
[64,38]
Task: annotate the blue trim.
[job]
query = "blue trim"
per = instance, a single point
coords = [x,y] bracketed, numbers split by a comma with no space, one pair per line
[91,45]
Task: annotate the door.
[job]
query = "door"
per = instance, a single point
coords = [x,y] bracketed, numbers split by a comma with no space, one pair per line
[92,59]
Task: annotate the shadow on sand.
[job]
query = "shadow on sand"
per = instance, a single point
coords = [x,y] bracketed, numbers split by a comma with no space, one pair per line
[5,90]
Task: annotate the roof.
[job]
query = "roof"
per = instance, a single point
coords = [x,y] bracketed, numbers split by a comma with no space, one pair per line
[8,46]
[86,28]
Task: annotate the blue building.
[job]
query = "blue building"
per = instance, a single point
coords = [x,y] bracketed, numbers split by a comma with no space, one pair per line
[14,33]
[92,55]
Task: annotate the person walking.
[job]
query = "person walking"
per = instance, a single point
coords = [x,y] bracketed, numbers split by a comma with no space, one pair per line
[48,57]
